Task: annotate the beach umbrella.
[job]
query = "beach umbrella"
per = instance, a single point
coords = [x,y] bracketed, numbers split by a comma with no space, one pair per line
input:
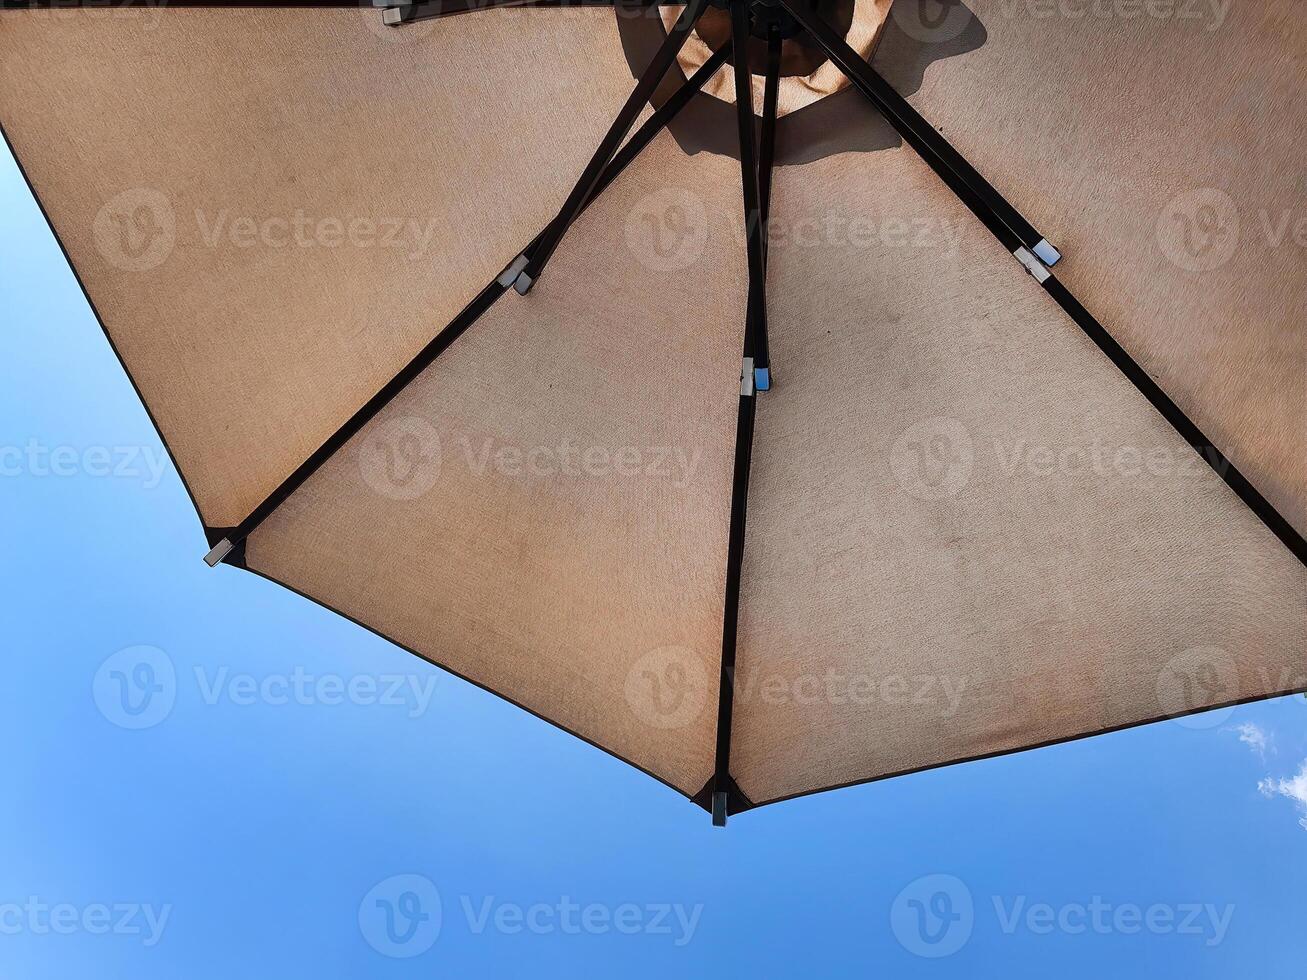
[487,324]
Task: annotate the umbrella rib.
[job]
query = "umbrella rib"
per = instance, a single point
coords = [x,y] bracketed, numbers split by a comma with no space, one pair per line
[724,792]
[266,4]
[395,12]
[229,539]
[767,141]
[755,345]
[918,132]
[399,12]
[532,262]
[766,159]
[865,79]
[74,4]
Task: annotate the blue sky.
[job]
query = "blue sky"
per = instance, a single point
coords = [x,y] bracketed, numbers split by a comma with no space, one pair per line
[256,821]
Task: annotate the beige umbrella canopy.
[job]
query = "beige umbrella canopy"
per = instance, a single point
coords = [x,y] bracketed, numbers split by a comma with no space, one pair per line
[996,497]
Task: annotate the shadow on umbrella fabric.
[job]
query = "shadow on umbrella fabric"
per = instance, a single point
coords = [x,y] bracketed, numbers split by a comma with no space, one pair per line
[801,460]
[819,113]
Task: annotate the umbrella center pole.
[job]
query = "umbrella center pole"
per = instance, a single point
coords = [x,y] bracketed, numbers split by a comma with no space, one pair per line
[800,55]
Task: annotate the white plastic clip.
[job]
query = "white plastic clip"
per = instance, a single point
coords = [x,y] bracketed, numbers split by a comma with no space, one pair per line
[746,378]
[1032,264]
[509,275]
[393,12]
[219,552]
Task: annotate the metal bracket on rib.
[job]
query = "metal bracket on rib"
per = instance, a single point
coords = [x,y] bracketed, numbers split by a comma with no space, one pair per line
[719,801]
[395,12]
[513,274]
[1032,264]
[752,378]
[220,551]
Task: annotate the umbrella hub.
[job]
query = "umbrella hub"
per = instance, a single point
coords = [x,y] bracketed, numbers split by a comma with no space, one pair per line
[800,54]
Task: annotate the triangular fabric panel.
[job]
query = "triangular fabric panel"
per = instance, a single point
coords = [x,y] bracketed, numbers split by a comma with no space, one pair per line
[1161,149]
[544,511]
[274,210]
[968,533]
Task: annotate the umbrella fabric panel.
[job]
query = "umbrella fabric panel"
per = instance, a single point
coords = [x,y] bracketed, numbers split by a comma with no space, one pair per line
[273,210]
[967,532]
[590,592]
[1162,152]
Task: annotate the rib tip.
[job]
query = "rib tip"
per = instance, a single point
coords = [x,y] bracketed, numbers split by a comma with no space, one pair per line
[220,551]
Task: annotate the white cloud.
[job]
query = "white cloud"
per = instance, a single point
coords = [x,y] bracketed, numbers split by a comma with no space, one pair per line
[1254,737]
[1294,789]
